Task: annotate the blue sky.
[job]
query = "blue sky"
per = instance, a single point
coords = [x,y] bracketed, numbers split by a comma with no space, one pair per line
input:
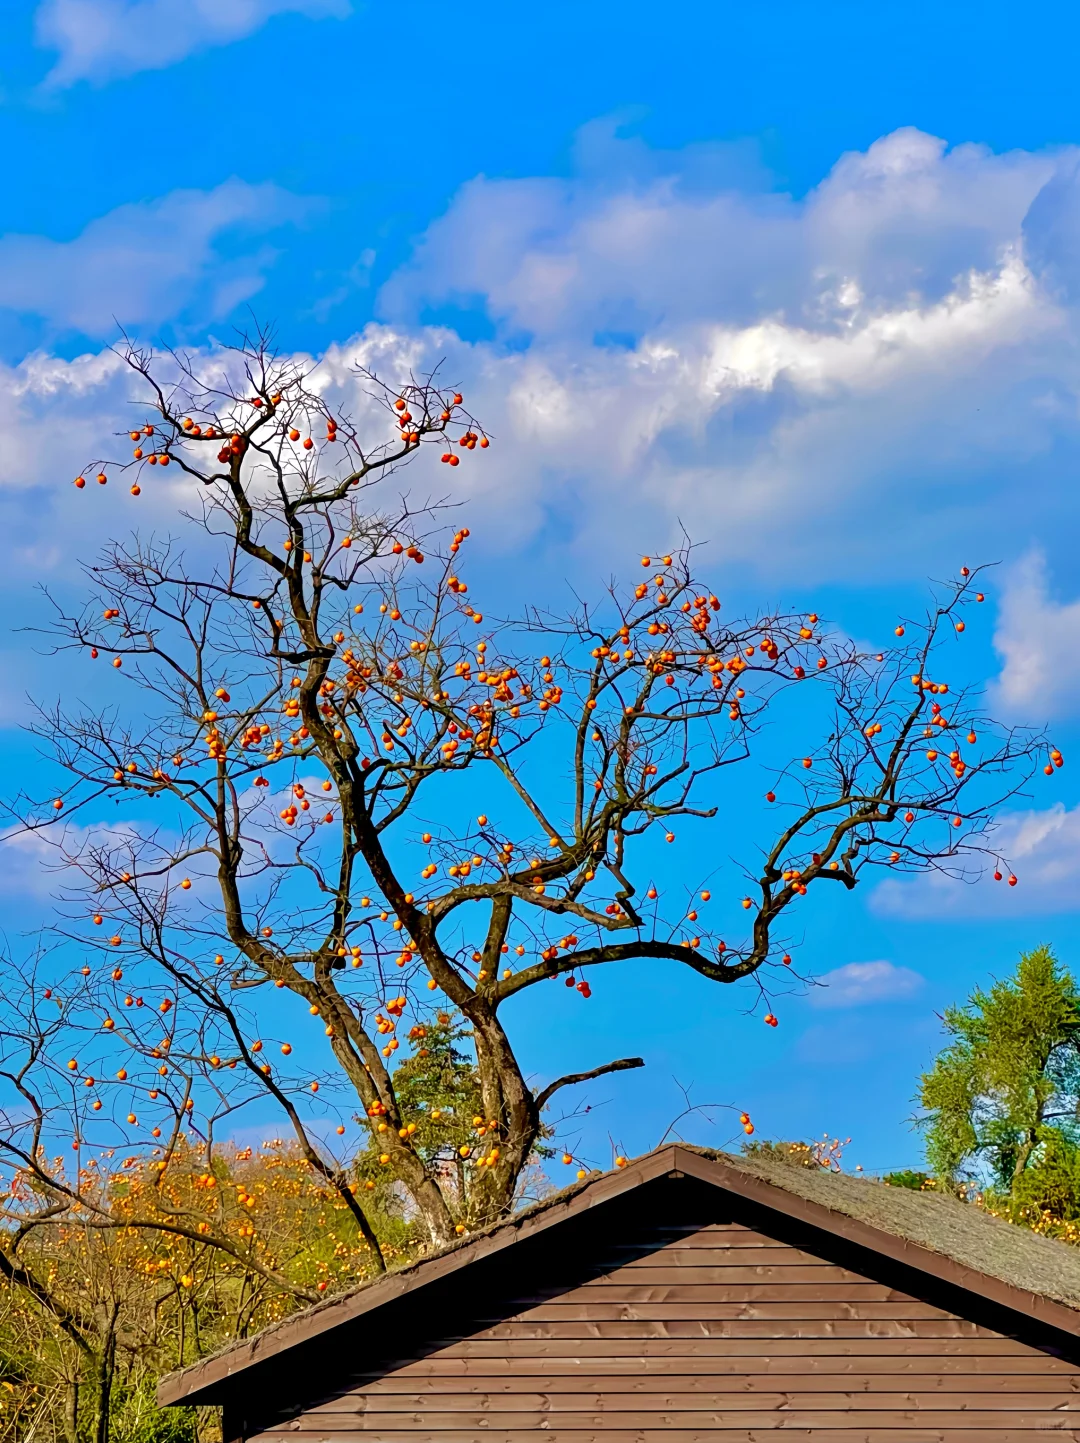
[803,279]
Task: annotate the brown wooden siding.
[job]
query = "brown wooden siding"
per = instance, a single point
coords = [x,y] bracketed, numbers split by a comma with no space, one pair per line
[718,1333]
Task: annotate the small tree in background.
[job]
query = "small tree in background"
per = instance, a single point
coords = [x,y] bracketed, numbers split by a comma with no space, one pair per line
[119,1262]
[96,1311]
[1001,1102]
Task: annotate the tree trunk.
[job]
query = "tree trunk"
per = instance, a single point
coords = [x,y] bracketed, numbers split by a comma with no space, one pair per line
[1023,1153]
[105,1371]
[508,1100]
[71,1411]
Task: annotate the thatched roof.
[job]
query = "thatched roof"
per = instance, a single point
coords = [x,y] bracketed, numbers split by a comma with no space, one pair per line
[961,1232]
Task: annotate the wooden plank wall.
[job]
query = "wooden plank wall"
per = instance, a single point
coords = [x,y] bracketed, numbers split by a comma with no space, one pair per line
[718,1333]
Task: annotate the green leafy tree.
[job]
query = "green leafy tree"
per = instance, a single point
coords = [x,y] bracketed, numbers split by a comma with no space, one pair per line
[911,1178]
[1001,1101]
[1047,1192]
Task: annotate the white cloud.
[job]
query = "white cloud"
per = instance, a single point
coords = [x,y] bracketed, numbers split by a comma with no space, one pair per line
[1041,848]
[1038,640]
[99,40]
[816,388]
[147,262]
[649,251]
[31,866]
[35,865]
[860,983]
[831,370]
[779,429]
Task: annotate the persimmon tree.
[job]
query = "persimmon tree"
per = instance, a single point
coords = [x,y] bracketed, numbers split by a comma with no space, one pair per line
[98,1242]
[308,691]
[99,1312]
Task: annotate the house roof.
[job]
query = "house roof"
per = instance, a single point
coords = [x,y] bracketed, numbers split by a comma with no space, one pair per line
[935,1234]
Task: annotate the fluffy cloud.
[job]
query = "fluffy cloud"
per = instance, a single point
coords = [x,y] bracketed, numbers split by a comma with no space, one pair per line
[865,384]
[822,375]
[34,863]
[99,40]
[144,263]
[1038,640]
[1041,847]
[622,249]
[859,983]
